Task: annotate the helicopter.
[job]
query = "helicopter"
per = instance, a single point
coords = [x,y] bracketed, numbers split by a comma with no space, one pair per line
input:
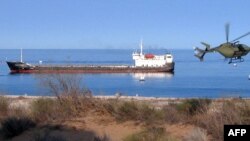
[232,50]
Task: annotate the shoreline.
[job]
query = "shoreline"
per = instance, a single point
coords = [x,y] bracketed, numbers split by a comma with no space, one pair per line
[143,98]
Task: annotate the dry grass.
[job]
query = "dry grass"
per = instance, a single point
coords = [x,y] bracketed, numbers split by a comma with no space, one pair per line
[48,109]
[209,117]
[72,99]
[226,112]
[172,115]
[134,110]
[67,88]
[151,134]
[43,110]
[64,84]
[191,107]
[4,106]
[197,134]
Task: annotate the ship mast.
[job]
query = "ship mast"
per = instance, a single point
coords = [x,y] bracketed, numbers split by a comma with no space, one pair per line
[21,55]
[141,47]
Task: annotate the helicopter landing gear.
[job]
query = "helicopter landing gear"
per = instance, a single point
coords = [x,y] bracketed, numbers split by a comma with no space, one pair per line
[236,60]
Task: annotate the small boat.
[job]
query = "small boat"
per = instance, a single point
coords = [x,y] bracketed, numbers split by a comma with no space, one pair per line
[142,78]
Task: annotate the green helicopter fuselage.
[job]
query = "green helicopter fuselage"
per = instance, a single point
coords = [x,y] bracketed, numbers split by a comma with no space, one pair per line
[231,50]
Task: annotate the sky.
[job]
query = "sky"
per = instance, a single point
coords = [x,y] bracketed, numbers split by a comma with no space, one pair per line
[120,24]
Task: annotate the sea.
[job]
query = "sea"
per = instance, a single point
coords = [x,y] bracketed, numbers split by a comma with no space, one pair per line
[212,78]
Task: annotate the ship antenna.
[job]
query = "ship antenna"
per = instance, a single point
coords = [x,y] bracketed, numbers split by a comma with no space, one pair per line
[21,55]
[141,47]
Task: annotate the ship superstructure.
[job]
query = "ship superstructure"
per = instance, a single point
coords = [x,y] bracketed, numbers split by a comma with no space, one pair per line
[151,60]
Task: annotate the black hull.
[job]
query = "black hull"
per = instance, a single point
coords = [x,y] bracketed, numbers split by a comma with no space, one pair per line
[21,67]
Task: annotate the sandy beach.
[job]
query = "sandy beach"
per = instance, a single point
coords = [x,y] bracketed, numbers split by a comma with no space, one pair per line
[105,115]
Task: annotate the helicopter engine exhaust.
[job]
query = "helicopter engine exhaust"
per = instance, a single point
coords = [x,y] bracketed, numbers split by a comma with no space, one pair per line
[200,53]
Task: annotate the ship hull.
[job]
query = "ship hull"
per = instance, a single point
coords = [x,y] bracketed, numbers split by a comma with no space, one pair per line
[20,67]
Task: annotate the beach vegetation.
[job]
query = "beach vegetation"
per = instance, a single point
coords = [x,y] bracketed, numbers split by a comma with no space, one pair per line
[69,91]
[171,114]
[225,112]
[137,111]
[150,134]
[45,109]
[191,107]
[4,106]
[205,117]
[13,126]
[64,85]
[47,137]
[197,134]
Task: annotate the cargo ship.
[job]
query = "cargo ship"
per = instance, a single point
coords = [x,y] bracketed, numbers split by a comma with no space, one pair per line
[143,63]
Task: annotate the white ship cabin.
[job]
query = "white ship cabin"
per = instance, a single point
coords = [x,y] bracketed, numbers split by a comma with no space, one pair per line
[151,60]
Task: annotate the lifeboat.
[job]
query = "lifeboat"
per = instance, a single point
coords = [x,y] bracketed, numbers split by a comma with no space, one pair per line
[149,56]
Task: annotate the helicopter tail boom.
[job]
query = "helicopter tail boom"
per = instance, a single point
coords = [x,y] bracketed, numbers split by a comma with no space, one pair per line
[200,53]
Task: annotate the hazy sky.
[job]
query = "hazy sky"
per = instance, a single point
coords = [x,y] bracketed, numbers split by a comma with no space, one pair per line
[171,24]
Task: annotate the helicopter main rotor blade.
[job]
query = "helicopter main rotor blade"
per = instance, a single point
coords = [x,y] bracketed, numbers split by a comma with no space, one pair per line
[227,26]
[241,37]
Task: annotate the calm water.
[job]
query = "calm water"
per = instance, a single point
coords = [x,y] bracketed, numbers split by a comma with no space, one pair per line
[212,78]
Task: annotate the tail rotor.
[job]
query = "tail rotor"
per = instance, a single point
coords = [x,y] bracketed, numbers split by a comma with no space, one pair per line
[200,53]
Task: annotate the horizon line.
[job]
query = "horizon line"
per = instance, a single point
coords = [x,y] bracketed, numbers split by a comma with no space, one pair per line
[94,48]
